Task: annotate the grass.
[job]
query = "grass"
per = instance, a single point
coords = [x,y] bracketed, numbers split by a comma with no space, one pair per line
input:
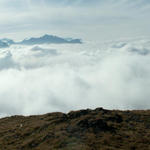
[97,129]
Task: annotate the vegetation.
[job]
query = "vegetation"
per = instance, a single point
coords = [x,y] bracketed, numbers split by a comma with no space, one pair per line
[97,129]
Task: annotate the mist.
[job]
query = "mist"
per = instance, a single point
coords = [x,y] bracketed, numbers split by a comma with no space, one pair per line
[109,69]
[46,78]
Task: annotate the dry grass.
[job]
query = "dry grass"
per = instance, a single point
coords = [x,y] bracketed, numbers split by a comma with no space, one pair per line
[97,129]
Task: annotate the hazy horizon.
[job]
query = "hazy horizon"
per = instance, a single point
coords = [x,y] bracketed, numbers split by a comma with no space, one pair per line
[89,20]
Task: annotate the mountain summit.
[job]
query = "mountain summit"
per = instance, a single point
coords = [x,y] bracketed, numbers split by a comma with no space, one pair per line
[45,39]
[49,39]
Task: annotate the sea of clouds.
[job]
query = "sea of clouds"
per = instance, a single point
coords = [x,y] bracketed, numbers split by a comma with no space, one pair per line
[45,78]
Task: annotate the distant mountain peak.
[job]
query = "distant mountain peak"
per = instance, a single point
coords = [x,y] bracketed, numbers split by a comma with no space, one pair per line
[45,39]
[47,35]
[49,39]
[5,42]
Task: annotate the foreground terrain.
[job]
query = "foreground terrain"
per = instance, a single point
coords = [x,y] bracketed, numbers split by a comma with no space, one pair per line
[97,129]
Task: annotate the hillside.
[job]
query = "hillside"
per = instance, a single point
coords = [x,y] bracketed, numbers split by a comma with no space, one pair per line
[97,129]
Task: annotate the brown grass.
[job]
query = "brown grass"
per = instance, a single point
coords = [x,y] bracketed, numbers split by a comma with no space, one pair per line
[97,129]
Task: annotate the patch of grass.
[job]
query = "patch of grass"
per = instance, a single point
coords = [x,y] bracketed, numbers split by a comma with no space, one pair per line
[97,129]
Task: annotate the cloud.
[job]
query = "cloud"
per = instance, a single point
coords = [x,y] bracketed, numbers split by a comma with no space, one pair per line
[45,78]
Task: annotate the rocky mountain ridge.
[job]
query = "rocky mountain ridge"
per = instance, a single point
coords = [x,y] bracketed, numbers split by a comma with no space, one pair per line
[45,39]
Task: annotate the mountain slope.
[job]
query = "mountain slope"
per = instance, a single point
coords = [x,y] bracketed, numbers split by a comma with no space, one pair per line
[97,129]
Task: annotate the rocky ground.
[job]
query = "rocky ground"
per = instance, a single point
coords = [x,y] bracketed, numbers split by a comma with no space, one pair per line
[97,129]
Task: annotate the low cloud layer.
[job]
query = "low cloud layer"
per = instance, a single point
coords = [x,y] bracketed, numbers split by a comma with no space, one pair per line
[45,78]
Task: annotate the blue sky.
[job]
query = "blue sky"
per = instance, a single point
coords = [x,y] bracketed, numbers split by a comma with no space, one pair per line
[87,19]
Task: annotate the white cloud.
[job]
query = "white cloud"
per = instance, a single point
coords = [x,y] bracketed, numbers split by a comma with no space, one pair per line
[48,78]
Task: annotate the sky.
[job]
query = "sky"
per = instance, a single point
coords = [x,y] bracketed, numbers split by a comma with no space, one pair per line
[86,19]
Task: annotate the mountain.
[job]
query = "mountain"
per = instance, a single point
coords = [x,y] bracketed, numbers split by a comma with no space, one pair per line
[6,42]
[46,39]
[98,129]
[3,44]
[49,39]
